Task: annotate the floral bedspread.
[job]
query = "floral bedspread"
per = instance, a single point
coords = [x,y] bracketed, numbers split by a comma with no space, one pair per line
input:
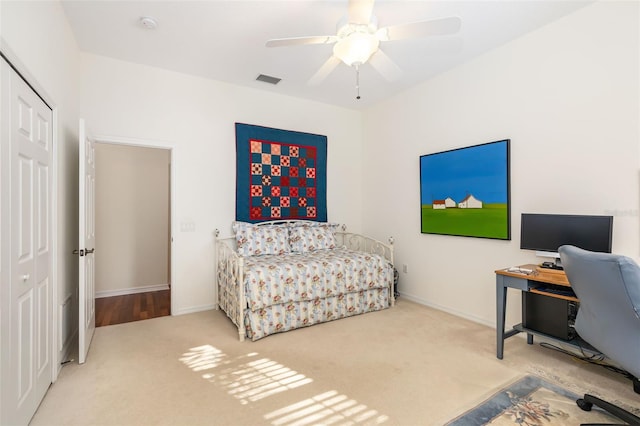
[277,279]
[285,292]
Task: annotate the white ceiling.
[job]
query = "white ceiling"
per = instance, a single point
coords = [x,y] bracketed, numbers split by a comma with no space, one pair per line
[225,40]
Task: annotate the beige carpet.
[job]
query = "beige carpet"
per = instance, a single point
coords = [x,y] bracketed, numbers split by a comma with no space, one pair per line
[409,365]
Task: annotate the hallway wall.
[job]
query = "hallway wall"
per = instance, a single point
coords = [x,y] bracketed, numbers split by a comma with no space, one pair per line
[132,219]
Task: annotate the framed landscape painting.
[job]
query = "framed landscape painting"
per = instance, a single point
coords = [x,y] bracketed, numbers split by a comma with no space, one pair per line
[465,191]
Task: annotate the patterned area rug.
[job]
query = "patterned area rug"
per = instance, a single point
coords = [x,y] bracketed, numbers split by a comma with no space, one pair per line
[531,401]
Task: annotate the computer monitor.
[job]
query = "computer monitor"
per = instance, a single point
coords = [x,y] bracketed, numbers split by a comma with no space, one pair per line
[544,233]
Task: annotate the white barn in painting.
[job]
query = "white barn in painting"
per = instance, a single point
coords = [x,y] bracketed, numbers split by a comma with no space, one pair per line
[447,203]
[470,202]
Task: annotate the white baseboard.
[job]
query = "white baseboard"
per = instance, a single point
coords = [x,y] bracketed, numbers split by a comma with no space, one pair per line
[131,290]
[194,309]
[448,310]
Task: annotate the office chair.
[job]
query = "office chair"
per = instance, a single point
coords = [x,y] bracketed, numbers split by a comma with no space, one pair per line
[608,287]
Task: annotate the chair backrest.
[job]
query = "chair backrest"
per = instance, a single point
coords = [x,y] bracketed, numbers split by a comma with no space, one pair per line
[608,286]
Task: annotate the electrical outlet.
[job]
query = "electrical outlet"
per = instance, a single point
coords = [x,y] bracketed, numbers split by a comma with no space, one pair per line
[405,268]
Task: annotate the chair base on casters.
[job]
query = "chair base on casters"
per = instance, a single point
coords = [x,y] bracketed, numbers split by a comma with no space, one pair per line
[589,401]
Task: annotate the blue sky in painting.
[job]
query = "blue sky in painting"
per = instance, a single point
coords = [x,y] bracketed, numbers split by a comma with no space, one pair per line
[479,170]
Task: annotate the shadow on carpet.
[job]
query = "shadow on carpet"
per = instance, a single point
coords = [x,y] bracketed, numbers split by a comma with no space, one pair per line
[531,401]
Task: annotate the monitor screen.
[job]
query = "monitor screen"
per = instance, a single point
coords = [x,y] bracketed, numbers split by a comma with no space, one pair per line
[547,232]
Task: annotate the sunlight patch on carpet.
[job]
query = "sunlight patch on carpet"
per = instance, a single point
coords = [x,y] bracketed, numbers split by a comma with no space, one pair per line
[248,378]
[202,358]
[327,408]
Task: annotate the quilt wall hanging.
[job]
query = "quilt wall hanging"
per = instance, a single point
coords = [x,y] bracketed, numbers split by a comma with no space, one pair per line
[280,174]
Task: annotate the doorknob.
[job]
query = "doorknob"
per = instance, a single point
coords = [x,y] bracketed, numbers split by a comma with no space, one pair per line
[82,252]
[25,277]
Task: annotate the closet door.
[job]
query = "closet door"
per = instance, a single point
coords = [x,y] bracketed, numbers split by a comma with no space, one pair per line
[26,297]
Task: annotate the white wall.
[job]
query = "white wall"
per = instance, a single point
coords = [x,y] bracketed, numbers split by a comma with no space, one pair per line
[132,219]
[196,117]
[36,34]
[567,96]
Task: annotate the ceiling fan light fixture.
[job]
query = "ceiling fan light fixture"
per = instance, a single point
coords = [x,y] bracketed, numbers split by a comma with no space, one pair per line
[356,48]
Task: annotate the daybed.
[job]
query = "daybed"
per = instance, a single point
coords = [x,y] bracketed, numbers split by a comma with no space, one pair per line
[277,276]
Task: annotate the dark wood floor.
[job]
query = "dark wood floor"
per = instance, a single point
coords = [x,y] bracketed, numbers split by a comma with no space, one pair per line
[132,307]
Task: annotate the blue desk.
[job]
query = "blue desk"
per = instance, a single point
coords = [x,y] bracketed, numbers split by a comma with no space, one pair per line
[523,282]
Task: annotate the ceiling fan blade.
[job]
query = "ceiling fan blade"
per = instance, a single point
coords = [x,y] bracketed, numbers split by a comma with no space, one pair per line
[295,41]
[385,66]
[432,27]
[360,11]
[324,71]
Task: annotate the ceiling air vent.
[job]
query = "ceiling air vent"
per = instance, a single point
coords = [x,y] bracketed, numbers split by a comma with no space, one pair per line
[268,79]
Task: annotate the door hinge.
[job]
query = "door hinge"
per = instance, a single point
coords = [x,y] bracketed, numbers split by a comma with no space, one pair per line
[80,252]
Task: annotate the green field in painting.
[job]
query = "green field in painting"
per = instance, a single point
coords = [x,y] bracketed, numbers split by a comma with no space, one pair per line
[488,222]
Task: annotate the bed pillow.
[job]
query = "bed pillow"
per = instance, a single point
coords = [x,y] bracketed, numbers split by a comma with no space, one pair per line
[256,240]
[311,237]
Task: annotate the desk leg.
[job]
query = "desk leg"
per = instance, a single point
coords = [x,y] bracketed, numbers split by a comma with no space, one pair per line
[501,301]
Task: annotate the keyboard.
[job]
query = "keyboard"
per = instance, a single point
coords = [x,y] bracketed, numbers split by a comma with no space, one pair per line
[559,290]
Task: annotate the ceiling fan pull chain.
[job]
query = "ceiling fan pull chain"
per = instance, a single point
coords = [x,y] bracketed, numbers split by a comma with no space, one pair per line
[357,82]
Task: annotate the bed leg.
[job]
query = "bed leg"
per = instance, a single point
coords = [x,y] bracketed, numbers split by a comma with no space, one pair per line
[241,334]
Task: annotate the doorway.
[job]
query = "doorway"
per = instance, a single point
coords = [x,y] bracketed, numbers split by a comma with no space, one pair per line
[133,232]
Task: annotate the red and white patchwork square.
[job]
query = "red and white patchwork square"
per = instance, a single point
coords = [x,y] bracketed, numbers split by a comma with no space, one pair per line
[275,212]
[275,149]
[266,180]
[256,146]
[294,151]
[255,213]
[256,190]
[311,172]
[275,191]
[285,201]
[256,169]
[302,202]
[311,212]
[275,171]
[293,171]
[311,192]
[293,191]
[285,161]
[266,201]
[266,158]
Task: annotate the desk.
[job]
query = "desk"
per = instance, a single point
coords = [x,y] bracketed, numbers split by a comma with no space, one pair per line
[524,282]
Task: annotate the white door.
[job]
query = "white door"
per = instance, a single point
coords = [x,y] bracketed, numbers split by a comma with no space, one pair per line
[86,248]
[26,249]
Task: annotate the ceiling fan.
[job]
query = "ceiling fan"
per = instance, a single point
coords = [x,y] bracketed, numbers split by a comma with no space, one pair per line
[358,39]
